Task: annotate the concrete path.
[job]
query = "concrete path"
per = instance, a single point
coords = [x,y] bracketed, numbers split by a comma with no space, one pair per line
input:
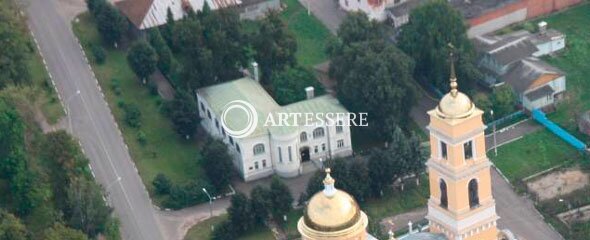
[327,11]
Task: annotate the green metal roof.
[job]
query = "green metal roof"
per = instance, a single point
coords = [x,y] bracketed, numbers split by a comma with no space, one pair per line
[248,90]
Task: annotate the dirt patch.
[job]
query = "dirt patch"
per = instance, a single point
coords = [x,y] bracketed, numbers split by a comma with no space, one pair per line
[558,183]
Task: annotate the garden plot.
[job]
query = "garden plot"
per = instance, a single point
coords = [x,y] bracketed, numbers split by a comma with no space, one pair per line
[558,183]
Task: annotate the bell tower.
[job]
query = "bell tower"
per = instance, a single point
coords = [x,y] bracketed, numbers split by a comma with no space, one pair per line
[461,205]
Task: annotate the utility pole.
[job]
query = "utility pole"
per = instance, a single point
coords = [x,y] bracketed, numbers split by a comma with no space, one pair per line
[210,205]
[495,142]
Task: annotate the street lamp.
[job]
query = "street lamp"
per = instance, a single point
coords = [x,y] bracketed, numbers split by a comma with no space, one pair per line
[495,142]
[322,163]
[286,225]
[210,205]
[111,184]
[67,103]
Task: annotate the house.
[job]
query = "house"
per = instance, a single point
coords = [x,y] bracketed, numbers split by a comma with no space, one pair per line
[144,14]
[547,41]
[536,83]
[269,148]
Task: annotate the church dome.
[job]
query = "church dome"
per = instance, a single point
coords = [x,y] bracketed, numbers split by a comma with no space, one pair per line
[455,104]
[332,214]
[454,107]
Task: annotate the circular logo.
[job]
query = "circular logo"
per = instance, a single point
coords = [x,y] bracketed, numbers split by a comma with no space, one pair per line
[251,118]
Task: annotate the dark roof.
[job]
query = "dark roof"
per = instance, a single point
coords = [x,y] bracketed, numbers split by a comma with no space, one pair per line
[476,8]
[526,71]
[425,236]
[543,91]
[547,36]
[510,49]
[135,10]
[405,7]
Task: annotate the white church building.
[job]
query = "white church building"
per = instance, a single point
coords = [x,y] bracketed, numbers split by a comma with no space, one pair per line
[275,149]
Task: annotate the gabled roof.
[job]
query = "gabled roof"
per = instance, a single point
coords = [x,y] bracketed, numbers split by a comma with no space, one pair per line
[530,73]
[135,10]
[510,49]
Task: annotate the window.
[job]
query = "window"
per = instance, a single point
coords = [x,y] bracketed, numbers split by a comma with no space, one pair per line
[223,131]
[289,150]
[340,143]
[258,149]
[303,137]
[202,107]
[318,132]
[339,127]
[264,163]
[323,147]
[238,148]
[468,150]
[231,141]
[444,202]
[315,149]
[280,155]
[209,114]
[216,124]
[473,194]
[256,165]
[443,150]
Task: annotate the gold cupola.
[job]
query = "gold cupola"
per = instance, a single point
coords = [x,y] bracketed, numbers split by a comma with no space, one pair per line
[332,214]
[455,104]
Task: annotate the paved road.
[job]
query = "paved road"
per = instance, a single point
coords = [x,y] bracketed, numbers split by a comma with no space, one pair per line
[92,122]
[327,11]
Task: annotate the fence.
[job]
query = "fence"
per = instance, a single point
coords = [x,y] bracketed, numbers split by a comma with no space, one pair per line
[555,129]
[506,119]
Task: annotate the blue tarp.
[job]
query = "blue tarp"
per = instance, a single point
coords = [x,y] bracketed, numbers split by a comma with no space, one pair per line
[560,132]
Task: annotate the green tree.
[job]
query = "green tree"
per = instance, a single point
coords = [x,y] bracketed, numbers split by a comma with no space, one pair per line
[111,24]
[142,59]
[315,184]
[11,228]
[183,113]
[86,210]
[504,101]
[225,231]
[187,194]
[165,58]
[162,184]
[356,27]
[240,213]
[217,163]
[61,232]
[261,203]
[275,46]
[381,170]
[16,46]
[289,84]
[374,77]
[281,198]
[416,157]
[357,183]
[430,29]
[483,102]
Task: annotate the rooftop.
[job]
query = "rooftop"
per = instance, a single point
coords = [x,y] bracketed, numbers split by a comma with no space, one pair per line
[508,49]
[475,8]
[527,72]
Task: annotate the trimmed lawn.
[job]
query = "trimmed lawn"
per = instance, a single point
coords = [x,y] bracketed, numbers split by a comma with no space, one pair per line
[531,154]
[202,231]
[397,202]
[311,35]
[575,62]
[165,152]
[50,105]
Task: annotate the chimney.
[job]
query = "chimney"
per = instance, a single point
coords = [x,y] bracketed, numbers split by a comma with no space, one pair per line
[255,71]
[542,27]
[309,92]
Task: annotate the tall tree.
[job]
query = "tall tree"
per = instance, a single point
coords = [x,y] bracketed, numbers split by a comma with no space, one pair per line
[416,157]
[11,228]
[142,59]
[374,77]
[240,213]
[165,58]
[289,84]
[16,47]
[183,113]
[430,29]
[381,170]
[357,183]
[111,24]
[61,232]
[217,163]
[315,184]
[261,203]
[356,27]
[275,46]
[86,209]
[503,100]
[281,198]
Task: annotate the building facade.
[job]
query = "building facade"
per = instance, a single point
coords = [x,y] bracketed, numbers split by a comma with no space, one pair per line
[461,205]
[275,149]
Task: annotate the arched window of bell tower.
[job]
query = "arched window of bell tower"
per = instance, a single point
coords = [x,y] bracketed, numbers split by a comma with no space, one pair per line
[444,201]
[473,194]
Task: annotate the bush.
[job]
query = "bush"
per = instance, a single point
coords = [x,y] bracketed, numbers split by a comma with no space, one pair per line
[141,138]
[116,86]
[99,54]
[132,114]
[187,194]
[225,231]
[162,184]
[153,87]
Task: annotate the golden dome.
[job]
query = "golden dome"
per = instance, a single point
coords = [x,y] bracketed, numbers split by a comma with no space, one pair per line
[331,209]
[455,104]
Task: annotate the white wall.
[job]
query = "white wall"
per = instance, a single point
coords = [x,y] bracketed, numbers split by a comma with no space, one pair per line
[373,12]
[550,47]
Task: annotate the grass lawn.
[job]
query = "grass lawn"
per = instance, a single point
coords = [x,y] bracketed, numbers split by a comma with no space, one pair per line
[531,154]
[165,151]
[397,202]
[310,33]
[50,105]
[574,61]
